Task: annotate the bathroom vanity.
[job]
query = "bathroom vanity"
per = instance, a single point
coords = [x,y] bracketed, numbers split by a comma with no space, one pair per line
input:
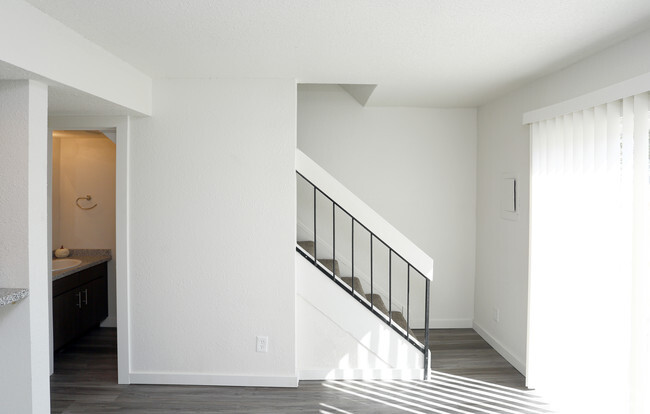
[79,300]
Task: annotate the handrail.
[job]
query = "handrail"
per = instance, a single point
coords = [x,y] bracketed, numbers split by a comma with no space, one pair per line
[424,348]
[355,207]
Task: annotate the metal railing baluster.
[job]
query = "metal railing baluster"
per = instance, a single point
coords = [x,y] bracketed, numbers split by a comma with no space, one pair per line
[372,293]
[315,261]
[390,285]
[426,328]
[352,252]
[352,284]
[333,239]
[408,298]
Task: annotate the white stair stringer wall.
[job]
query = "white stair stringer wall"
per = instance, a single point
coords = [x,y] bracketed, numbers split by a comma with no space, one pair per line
[338,338]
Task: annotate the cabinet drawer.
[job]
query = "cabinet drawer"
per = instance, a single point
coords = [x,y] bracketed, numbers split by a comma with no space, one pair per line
[77,279]
[63,285]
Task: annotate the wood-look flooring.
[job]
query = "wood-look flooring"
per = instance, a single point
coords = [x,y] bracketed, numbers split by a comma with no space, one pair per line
[468,377]
[463,352]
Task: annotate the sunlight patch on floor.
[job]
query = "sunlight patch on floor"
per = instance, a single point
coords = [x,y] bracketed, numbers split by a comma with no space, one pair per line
[443,393]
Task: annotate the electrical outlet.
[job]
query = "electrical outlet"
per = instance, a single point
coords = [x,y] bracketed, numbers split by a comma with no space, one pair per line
[262,344]
[496,316]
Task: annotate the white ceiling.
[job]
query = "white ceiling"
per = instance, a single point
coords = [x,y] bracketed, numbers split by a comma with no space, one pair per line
[418,52]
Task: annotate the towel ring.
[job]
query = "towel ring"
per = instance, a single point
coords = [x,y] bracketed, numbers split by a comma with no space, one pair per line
[88,198]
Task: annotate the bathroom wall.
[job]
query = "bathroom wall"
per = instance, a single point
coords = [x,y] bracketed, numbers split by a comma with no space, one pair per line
[84,164]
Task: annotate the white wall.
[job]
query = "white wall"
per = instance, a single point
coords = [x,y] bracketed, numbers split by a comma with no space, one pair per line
[24,327]
[212,218]
[416,167]
[84,163]
[503,146]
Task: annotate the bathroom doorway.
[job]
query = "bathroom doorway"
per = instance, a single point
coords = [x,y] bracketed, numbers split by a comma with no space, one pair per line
[83,188]
[116,129]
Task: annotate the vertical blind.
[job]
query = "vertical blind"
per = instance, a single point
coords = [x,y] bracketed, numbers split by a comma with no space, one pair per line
[588,303]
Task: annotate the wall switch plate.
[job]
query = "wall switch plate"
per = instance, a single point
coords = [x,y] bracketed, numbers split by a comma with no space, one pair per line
[262,344]
[509,197]
[496,316]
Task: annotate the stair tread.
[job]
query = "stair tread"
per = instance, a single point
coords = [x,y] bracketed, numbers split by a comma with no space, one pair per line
[399,319]
[378,303]
[357,284]
[328,264]
[307,246]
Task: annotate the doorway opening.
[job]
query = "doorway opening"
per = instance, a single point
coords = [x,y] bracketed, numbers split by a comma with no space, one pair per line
[83,240]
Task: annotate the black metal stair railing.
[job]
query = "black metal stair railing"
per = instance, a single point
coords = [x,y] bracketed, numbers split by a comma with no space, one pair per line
[406,332]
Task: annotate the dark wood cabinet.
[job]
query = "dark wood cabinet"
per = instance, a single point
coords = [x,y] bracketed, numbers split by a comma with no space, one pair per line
[65,318]
[80,302]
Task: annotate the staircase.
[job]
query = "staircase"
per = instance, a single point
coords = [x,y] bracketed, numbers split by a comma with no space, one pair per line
[375,299]
[387,274]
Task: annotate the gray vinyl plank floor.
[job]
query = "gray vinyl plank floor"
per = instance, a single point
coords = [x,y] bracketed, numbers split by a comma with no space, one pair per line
[468,377]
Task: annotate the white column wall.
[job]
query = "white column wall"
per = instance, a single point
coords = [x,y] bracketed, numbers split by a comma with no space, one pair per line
[24,327]
[211,239]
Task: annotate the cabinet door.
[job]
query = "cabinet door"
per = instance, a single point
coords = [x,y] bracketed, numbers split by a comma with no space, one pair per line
[94,303]
[100,292]
[66,315]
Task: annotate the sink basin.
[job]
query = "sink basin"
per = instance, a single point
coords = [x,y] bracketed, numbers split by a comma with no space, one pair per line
[61,264]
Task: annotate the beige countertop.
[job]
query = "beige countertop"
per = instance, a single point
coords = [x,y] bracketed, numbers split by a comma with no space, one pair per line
[88,257]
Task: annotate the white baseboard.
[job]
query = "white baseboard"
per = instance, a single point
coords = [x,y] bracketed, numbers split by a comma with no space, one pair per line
[360,374]
[163,378]
[418,323]
[447,323]
[515,361]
